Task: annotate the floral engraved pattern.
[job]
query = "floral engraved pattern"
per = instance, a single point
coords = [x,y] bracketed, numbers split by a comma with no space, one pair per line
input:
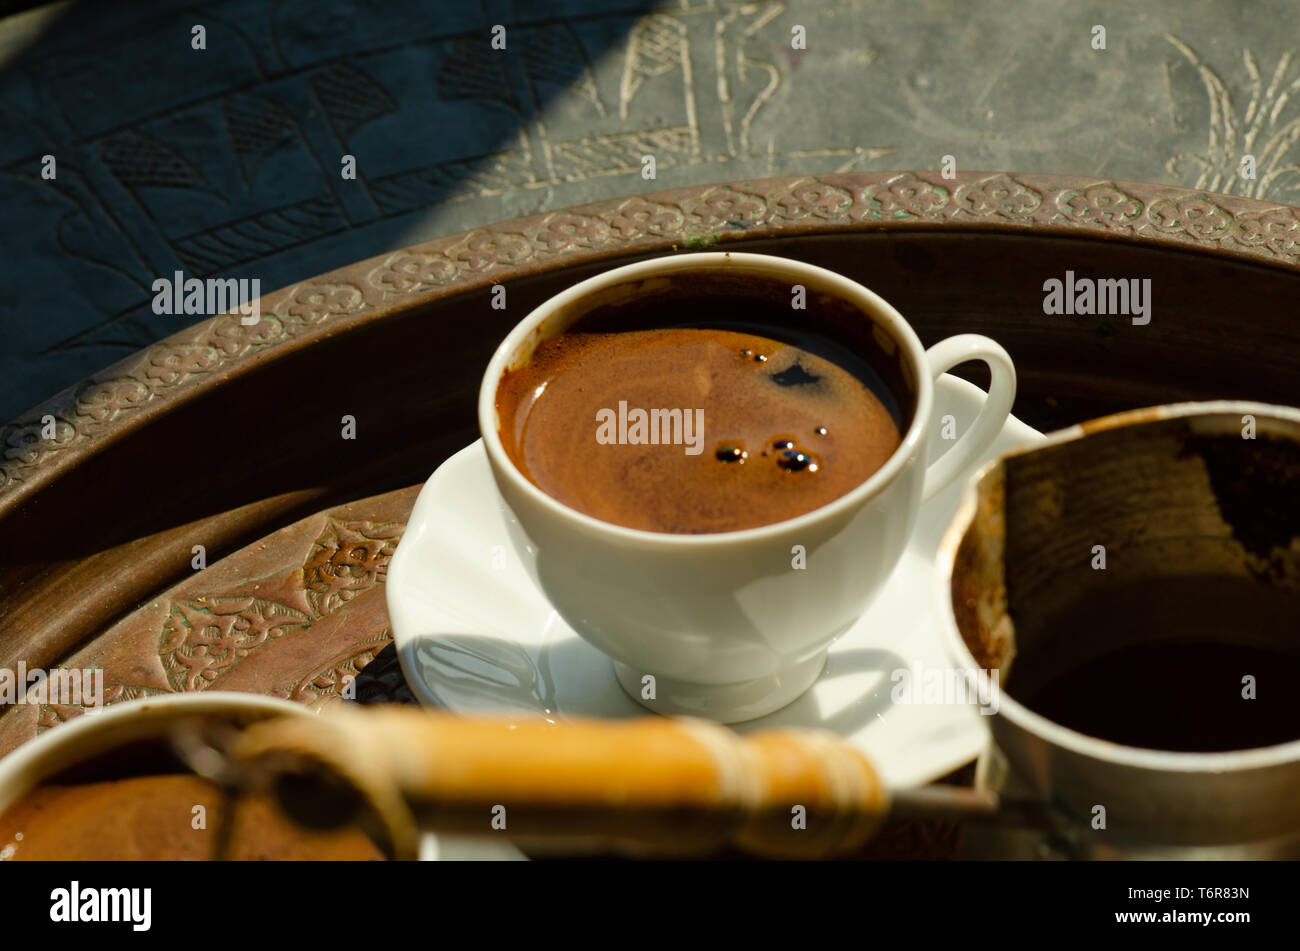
[638,217]
[348,558]
[315,302]
[179,361]
[1000,195]
[725,207]
[1195,216]
[481,250]
[1105,205]
[204,638]
[565,232]
[51,715]
[1276,229]
[407,272]
[906,196]
[809,198]
[28,443]
[332,679]
[101,401]
[232,338]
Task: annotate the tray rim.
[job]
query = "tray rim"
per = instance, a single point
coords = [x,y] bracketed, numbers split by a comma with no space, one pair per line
[125,396]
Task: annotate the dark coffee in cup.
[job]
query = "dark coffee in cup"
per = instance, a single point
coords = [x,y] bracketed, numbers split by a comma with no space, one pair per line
[153,818]
[137,802]
[703,406]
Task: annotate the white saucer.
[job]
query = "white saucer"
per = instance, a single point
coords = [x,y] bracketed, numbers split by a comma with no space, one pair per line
[475,635]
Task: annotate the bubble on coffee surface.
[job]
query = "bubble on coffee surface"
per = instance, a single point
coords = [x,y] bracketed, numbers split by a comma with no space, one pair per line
[794,460]
[820,430]
[730,452]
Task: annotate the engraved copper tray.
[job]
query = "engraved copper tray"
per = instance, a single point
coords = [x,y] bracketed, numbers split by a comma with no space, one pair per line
[230,437]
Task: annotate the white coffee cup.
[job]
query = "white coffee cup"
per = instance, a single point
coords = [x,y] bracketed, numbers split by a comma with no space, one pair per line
[725,625]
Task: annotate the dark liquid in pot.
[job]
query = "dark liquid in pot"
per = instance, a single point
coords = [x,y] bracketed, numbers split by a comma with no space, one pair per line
[1183,693]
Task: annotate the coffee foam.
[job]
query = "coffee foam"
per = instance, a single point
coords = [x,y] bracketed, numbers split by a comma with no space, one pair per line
[785,429]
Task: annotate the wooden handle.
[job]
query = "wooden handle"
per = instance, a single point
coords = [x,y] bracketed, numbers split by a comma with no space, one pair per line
[649,784]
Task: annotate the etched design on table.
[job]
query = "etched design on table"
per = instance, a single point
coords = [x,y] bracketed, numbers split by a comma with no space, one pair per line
[744,82]
[716,66]
[330,679]
[140,161]
[1261,132]
[478,176]
[222,247]
[621,153]
[52,714]
[656,47]
[350,98]
[206,637]
[465,73]
[552,55]
[712,55]
[257,128]
[346,559]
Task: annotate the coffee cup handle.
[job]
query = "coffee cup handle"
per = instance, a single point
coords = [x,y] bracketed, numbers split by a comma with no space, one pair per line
[941,358]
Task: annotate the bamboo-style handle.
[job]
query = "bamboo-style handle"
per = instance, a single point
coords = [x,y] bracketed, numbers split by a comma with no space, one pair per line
[650,784]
